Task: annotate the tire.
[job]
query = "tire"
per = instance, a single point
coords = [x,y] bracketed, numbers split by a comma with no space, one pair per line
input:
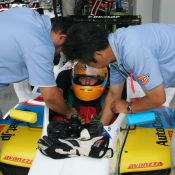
[6,169]
[158,172]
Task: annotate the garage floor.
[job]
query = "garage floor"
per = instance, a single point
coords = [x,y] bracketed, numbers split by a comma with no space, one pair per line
[8,99]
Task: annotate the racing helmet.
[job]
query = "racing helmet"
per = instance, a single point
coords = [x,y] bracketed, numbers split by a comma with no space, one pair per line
[88,92]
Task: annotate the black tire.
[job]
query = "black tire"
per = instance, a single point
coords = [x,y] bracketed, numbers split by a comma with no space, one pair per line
[6,169]
[158,172]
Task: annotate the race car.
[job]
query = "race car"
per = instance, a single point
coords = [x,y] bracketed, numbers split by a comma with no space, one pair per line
[142,149]
[139,149]
[20,134]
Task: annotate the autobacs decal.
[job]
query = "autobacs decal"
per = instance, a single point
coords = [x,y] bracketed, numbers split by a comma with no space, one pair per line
[160,131]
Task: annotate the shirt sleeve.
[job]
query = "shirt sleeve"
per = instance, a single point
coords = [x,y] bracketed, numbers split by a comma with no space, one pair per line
[115,75]
[145,67]
[39,64]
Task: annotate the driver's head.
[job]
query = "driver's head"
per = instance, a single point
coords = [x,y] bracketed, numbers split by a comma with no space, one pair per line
[89,83]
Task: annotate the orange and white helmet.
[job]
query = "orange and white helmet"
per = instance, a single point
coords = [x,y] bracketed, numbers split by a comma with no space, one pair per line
[89,92]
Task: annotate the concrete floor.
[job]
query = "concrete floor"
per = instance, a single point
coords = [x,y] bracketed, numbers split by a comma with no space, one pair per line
[8,99]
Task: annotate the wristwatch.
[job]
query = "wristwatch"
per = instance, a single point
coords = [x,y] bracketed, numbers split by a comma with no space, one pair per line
[129,108]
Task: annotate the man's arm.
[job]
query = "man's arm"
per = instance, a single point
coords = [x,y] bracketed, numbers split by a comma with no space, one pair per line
[114,92]
[153,98]
[54,99]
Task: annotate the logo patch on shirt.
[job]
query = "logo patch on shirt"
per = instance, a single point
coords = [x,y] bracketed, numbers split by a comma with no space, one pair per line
[143,79]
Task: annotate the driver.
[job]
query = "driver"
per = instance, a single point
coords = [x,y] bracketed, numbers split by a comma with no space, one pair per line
[88,84]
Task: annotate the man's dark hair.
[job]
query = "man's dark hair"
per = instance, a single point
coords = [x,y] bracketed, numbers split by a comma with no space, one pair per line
[83,40]
[60,24]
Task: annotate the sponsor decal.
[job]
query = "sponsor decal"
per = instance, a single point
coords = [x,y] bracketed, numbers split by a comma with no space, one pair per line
[145,165]
[6,135]
[143,79]
[17,159]
[160,131]
[104,17]
[170,133]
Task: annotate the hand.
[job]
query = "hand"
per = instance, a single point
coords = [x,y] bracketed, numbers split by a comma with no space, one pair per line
[119,106]
[70,112]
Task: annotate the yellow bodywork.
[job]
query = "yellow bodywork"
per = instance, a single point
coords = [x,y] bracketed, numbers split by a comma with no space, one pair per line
[146,149]
[19,138]
[19,144]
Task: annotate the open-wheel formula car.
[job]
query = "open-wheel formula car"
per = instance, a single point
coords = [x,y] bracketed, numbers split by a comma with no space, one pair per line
[141,149]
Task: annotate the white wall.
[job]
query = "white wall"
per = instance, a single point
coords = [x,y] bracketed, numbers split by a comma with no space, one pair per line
[162,11]
[143,8]
[167,11]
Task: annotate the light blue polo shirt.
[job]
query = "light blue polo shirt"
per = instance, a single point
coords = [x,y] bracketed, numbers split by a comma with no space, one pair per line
[148,51]
[26,49]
